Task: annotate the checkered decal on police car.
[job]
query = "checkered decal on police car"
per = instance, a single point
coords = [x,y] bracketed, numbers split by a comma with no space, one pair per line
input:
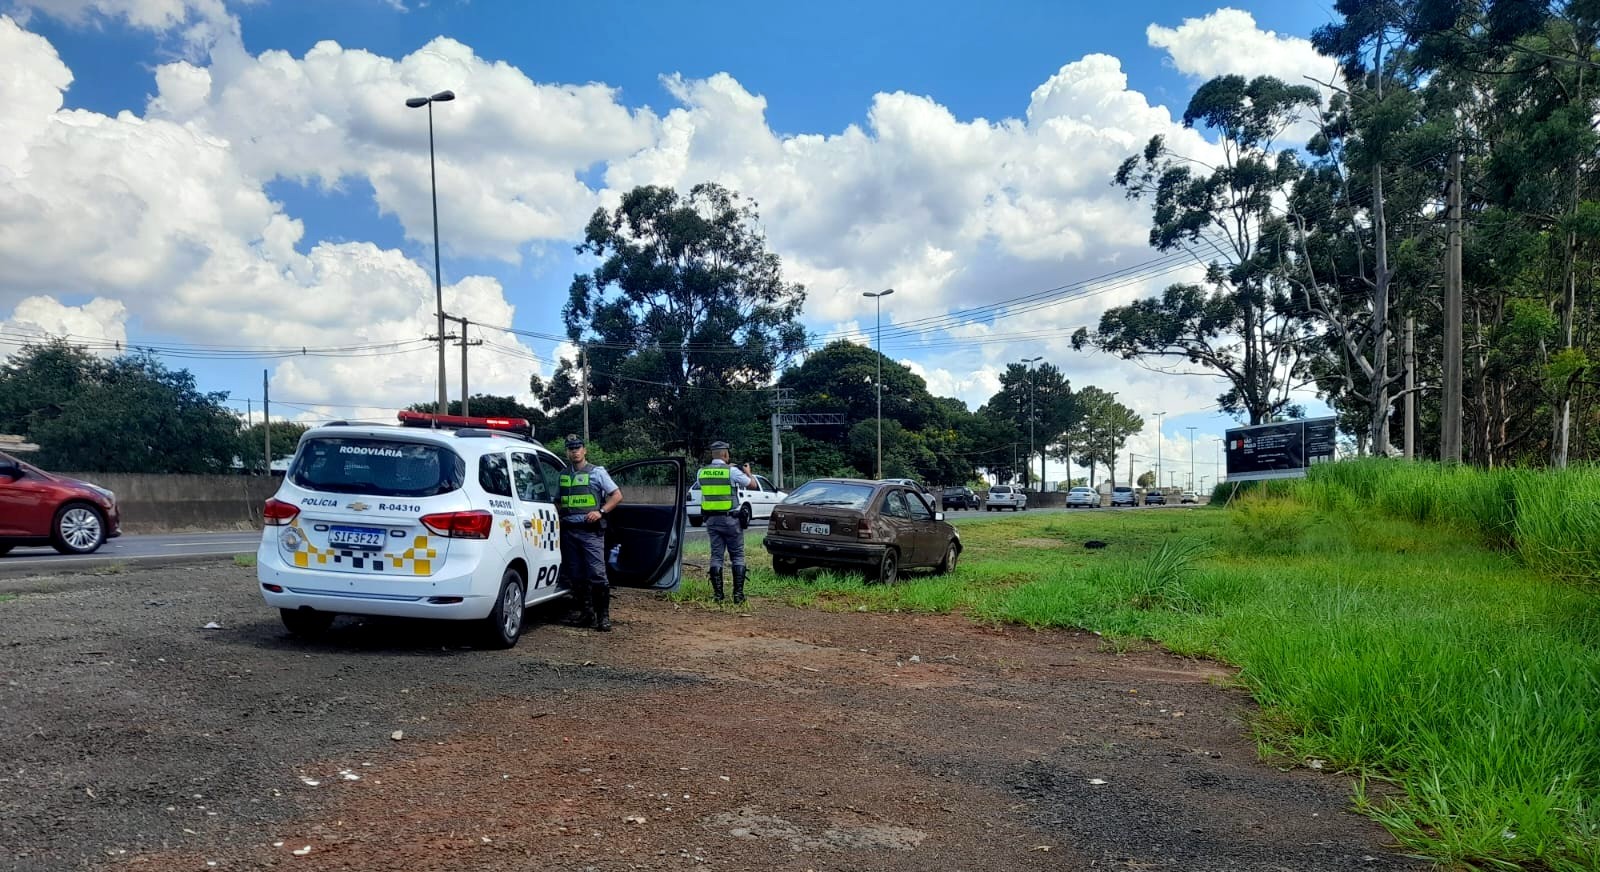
[416,560]
[546,530]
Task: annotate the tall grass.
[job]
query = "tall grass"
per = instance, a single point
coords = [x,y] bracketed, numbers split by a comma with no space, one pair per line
[1551,518]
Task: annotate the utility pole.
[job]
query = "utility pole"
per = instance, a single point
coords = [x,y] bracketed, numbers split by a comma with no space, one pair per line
[266,426]
[583,357]
[1033,392]
[444,408]
[780,401]
[464,343]
[1450,411]
[878,347]
[1191,458]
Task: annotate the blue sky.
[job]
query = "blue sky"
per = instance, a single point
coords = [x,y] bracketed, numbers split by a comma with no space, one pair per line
[819,68]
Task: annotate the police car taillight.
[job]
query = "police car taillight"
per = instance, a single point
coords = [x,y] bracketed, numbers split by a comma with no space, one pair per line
[425,419]
[277,513]
[475,524]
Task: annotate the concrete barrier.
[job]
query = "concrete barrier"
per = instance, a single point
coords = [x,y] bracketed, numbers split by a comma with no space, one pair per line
[188,503]
[181,503]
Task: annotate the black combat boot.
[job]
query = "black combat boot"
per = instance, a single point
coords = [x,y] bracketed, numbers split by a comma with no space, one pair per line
[582,597]
[716,584]
[738,584]
[602,607]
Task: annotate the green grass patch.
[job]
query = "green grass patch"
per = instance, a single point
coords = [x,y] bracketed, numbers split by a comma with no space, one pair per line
[1417,645]
[244,561]
[7,597]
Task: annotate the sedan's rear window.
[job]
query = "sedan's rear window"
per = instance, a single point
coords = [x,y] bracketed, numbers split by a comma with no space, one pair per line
[831,493]
[999,490]
[379,467]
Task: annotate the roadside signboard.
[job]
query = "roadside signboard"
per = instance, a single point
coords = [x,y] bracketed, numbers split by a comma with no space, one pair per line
[1281,450]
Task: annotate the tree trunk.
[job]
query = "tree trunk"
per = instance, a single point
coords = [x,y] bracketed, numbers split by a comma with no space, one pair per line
[1380,317]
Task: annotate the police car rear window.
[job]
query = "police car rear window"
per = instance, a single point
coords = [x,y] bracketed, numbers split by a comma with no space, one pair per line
[377,467]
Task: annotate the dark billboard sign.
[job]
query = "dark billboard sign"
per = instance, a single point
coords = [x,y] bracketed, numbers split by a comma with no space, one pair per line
[1281,450]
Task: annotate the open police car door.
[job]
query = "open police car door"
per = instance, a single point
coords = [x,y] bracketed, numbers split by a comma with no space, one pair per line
[644,534]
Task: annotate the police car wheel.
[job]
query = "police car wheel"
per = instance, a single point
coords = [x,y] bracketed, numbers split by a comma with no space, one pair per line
[306,623]
[697,522]
[503,627]
[744,517]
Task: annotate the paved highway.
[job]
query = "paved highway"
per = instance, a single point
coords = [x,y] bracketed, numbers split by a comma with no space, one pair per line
[166,548]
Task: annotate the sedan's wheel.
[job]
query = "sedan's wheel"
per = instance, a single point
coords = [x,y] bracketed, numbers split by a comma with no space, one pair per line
[889,567]
[785,568]
[952,553]
[744,517]
[503,627]
[306,623]
[79,529]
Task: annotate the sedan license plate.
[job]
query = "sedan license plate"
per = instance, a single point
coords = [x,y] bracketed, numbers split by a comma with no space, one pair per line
[358,537]
[819,529]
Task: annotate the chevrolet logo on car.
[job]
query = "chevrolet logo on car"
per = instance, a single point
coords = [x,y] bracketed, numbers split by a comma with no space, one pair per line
[358,506]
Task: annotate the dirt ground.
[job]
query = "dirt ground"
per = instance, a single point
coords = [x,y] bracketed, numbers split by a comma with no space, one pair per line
[131,738]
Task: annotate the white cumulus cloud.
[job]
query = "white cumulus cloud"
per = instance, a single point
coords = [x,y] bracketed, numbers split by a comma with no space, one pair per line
[1228,41]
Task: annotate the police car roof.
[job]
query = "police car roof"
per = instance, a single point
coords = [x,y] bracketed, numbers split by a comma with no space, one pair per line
[470,439]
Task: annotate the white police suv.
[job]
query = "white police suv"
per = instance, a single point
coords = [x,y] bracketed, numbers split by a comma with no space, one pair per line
[446,517]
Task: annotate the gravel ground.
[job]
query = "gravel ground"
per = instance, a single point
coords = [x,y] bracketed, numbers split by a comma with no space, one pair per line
[132,738]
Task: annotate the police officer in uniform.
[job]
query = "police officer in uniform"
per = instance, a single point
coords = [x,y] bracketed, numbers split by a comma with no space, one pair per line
[719,488]
[587,495]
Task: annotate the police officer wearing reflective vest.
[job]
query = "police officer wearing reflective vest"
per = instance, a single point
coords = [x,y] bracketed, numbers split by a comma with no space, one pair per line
[719,487]
[587,495]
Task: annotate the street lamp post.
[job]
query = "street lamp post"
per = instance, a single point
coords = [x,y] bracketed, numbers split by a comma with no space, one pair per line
[438,284]
[1191,458]
[878,346]
[1159,416]
[1033,393]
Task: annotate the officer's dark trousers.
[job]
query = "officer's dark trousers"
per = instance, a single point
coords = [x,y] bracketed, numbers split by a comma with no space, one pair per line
[725,535]
[583,557]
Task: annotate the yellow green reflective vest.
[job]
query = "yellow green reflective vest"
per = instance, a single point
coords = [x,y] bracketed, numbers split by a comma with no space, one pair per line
[716,490]
[578,492]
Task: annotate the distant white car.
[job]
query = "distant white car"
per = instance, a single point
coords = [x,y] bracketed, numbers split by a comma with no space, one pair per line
[1190,497]
[1004,496]
[755,502]
[1086,497]
[1122,495]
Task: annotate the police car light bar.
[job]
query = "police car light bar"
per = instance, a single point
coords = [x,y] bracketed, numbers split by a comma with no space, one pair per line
[426,419]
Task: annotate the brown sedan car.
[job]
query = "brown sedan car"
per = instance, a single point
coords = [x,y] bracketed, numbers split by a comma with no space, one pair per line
[881,527]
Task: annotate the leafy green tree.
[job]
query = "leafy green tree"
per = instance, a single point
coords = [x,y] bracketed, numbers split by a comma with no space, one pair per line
[488,406]
[1147,478]
[932,439]
[1243,322]
[131,414]
[1032,407]
[285,439]
[1103,430]
[685,319]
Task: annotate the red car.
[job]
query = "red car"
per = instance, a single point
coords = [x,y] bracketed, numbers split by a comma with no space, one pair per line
[38,508]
